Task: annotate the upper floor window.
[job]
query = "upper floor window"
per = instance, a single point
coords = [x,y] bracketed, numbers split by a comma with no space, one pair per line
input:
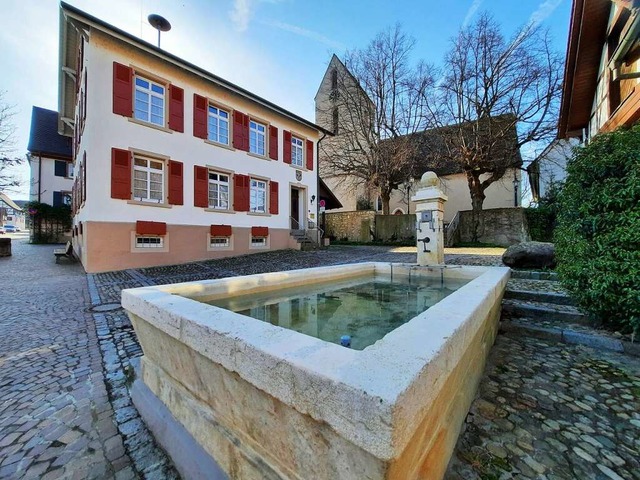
[258,196]
[148,179]
[70,170]
[297,155]
[218,125]
[218,190]
[257,138]
[149,101]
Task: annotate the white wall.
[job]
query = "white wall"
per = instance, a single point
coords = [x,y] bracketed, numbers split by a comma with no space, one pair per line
[105,130]
[49,182]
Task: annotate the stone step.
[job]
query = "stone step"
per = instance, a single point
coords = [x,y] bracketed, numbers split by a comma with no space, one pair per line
[534,275]
[543,311]
[576,335]
[555,298]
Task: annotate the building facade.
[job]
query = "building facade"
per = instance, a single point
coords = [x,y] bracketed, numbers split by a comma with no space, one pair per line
[50,160]
[175,164]
[602,69]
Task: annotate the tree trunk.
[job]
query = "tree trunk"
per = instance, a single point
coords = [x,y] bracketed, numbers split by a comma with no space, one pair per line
[386,198]
[477,199]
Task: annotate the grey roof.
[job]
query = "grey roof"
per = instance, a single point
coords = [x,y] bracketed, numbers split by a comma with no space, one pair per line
[44,138]
[4,198]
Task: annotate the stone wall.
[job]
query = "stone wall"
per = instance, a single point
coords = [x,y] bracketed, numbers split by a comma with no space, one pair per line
[500,226]
[357,226]
[366,226]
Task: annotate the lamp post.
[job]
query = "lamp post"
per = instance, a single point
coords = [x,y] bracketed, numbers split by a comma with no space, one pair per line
[515,189]
[407,187]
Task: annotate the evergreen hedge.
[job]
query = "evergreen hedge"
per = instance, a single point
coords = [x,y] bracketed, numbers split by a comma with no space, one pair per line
[598,233]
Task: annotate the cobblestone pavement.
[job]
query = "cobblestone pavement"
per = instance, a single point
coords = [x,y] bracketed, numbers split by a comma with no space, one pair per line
[55,417]
[552,411]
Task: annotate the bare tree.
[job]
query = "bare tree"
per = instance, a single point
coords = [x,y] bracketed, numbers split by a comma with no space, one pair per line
[8,159]
[496,96]
[376,101]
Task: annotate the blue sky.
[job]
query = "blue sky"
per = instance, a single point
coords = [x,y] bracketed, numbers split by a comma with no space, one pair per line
[278,49]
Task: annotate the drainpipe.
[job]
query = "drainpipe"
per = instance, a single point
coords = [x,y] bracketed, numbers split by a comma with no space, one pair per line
[623,49]
[324,134]
[39,178]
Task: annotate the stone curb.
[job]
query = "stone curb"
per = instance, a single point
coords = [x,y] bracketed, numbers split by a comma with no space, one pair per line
[536,296]
[572,337]
[532,275]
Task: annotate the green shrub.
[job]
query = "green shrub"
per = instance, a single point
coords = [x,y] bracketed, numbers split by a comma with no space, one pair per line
[598,233]
[543,218]
[48,223]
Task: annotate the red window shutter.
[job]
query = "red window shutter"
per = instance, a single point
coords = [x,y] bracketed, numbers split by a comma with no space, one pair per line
[151,228]
[240,131]
[176,196]
[241,187]
[84,176]
[273,142]
[122,90]
[120,174]
[200,187]
[273,198]
[309,155]
[176,108]
[221,230]
[259,231]
[200,105]
[286,146]
[84,103]
[80,228]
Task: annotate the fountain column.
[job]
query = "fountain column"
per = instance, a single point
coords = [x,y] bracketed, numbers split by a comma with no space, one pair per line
[429,199]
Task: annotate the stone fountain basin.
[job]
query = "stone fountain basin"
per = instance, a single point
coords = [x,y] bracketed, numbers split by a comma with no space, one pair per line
[267,402]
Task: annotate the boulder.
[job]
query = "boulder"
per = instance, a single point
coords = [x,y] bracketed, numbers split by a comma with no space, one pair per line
[530,255]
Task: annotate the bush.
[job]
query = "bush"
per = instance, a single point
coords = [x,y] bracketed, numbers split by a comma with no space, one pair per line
[598,233]
[48,223]
[543,218]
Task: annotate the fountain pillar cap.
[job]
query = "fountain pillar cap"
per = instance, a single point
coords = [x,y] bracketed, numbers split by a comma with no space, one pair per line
[429,179]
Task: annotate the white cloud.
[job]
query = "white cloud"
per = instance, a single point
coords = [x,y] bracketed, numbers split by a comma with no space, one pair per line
[475,5]
[241,14]
[544,10]
[303,32]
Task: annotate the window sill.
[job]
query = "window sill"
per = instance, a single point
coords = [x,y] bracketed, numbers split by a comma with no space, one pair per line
[297,167]
[215,210]
[221,145]
[149,124]
[149,204]
[261,157]
[259,214]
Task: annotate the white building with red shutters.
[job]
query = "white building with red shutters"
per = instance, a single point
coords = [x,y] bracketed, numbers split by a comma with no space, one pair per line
[175,164]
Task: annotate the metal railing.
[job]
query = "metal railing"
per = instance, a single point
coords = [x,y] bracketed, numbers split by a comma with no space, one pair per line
[451,229]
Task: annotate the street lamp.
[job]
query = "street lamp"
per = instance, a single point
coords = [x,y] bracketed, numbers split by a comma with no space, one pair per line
[515,189]
[408,183]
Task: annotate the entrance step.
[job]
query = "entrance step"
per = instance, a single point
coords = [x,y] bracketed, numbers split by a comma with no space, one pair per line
[537,310]
[538,296]
[534,275]
[301,238]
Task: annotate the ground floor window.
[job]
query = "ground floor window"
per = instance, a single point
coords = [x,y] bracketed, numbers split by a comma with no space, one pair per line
[219,242]
[258,241]
[145,241]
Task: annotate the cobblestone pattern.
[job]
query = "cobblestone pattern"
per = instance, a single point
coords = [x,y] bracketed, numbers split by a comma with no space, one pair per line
[55,417]
[119,345]
[553,411]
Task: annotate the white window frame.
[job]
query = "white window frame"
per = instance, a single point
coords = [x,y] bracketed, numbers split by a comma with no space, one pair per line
[219,242]
[214,136]
[257,138]
[68,196]
[70,170]
[150,95]
[218,183]
[259,242]
[148,170]
[257,186]
[297,151]
[152,242]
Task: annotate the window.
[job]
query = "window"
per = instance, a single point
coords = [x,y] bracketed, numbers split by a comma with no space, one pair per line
[149,101]
[257,138]
[335,120]
[218,126]
[218,191]
[70,169]
[258,241]
[297,158]
[66,198]
[148,180]
[219,242]
[258,196]
[145,241]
